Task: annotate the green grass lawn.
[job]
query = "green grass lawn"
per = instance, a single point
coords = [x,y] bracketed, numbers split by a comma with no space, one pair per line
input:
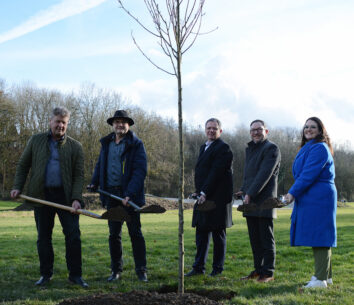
[19,262]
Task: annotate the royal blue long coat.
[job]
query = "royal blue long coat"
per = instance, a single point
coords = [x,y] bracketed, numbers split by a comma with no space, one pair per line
[313,220]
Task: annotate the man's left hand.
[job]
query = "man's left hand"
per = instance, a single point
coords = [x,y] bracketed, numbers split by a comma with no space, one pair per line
[201,199]
[76,205]
[289,198]
[247,199]
[125,201]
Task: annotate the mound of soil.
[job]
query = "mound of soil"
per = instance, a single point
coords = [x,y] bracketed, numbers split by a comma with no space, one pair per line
[141,298]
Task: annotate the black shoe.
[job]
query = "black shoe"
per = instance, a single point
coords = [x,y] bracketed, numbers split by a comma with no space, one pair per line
[78,281]
[142,276]
[44,280]
[114,277]
[215,273]
[193,272]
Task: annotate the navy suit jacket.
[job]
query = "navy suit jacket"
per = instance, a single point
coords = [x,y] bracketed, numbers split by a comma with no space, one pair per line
[213,176]
[134,166]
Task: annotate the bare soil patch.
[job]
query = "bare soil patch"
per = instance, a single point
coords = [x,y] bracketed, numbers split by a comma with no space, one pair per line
[141,298]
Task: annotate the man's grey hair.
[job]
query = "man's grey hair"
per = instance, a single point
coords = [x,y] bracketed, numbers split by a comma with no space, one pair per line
[214,120]
[61,111]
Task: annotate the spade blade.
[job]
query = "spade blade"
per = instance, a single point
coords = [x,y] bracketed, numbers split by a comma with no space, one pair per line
[116,214]
[154,208]
[206,206]
[272,203]
[247,207]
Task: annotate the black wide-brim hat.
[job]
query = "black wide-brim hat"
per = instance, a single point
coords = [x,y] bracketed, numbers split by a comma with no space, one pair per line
[121,114]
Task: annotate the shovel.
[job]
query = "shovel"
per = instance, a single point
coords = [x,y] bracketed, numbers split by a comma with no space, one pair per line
[270,203]
[206,206]
[273,202]
[115,214]
[149,209]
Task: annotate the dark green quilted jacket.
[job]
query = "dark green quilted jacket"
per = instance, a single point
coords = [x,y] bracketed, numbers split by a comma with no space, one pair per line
[35,158]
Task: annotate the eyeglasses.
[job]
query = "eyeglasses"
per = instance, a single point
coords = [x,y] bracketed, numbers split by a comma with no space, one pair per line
[120,121]
[310,127]
[256,130]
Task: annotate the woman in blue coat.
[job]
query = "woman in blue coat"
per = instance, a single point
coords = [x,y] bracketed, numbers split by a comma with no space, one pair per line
[313,220]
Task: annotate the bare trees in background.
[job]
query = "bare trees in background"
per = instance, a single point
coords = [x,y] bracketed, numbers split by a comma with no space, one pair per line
[25,110]
[88,124]
[344,164]
[8,135]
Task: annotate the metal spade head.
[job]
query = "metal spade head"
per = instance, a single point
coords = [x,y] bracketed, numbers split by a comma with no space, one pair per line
[205,206]
[272,203]
[153,209]
[116,214]
[247,207]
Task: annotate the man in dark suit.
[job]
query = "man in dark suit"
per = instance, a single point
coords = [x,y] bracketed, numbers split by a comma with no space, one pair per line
[213,181]
[260,183]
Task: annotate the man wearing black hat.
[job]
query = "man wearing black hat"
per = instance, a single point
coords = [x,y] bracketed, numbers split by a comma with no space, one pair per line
[120,170]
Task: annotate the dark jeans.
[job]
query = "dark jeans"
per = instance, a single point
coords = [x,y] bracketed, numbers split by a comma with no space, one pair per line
[202,239]
[262,241]
[115,237]
[44,217]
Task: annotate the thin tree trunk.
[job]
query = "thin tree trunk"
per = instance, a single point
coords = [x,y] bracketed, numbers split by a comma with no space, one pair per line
[181,162]
[3,179]
[169,30]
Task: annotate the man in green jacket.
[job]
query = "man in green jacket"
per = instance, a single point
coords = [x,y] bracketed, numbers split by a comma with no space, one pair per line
[57,174]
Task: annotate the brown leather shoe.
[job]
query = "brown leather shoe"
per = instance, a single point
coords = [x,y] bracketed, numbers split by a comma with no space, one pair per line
[251,276]
[265,279]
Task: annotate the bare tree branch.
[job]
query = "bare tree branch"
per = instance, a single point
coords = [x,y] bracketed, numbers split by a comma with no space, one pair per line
[148,58]
[136,19]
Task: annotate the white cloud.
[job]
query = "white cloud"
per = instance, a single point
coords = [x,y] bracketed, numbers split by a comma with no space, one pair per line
[62,10]
[158,95]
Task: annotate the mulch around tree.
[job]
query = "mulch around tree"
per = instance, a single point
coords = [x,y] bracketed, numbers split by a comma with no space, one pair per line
[141,298]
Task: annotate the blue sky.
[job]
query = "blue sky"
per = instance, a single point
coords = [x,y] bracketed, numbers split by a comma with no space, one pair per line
[279,60]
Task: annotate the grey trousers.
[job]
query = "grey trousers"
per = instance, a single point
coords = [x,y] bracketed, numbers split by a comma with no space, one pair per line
[323,263]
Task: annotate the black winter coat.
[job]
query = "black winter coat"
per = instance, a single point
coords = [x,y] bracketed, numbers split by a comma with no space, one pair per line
[260,178]
[213,176]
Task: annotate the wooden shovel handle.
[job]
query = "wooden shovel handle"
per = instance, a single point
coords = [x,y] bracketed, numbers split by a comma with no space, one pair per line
[60,206]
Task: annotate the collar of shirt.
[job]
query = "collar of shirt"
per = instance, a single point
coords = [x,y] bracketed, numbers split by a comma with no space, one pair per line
[50,138]
[113,138]
[207,144]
